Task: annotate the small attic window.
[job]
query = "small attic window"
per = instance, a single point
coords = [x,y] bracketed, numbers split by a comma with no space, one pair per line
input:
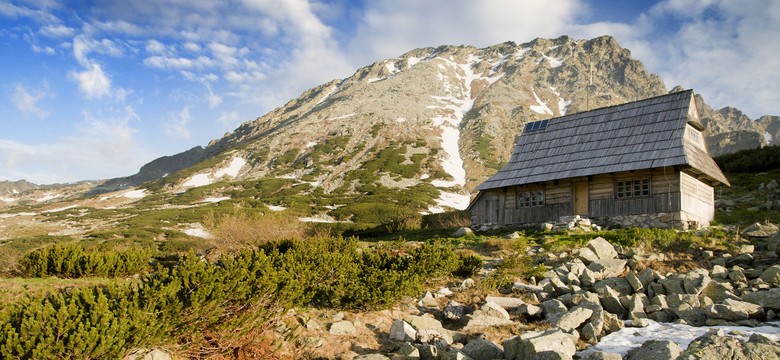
[536,125]
[693,135]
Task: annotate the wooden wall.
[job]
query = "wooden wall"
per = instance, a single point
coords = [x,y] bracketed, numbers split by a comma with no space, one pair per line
[671,191]
[698,198]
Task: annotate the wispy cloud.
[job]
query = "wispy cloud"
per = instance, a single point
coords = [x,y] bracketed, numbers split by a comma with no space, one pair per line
[177,124]
[93,82]
[103,147]
[27,101]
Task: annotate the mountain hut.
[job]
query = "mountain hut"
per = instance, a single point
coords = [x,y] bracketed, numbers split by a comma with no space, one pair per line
[643,163]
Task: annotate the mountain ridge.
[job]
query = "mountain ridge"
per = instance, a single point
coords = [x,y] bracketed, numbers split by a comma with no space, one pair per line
[446,117]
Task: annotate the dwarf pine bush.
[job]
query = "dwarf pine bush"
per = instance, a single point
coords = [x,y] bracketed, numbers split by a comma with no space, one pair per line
[73,261]
[209,306]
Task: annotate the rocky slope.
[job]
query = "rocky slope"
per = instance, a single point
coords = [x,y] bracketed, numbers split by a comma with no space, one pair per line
[448,115]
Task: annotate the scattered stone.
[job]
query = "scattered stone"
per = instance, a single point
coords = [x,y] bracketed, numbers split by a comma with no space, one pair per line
[601,355]
[482,349]
[529,310]
[634,281]
[342,327]
[505,302]
[602,248]
[734,310]
[408,350]
[573,318]
[148,354]
[493,310]
[552,344]
[428,301]
[371,357]
[768,299]
[454,354]
[715,346]
[455,310]
[462,231]
[607,267]
[655,350]
[402,331]
[771,275]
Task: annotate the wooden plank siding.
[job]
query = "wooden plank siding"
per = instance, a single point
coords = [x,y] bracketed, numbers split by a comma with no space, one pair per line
[500,206]
[698,198]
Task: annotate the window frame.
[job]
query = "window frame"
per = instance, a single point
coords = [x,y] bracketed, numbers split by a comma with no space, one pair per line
[633,188]
[529,199]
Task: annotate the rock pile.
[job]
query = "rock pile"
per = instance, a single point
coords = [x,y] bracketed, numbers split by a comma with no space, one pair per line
[600,289]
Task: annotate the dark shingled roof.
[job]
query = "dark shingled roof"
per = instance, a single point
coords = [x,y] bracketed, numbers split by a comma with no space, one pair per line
[644,134]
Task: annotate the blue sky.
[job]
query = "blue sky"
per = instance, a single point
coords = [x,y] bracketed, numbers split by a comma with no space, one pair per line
[95,89]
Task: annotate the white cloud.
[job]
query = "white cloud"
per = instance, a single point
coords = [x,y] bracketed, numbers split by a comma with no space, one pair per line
[27,102]
[93,82]
[57,31]
[391,28]
[101,148]
[155,47]
[213,100]
[43,49]
[229,120]
[176,125]
[178,63]
[724,50]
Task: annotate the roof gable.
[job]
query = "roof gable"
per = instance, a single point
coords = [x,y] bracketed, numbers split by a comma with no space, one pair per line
[633,136]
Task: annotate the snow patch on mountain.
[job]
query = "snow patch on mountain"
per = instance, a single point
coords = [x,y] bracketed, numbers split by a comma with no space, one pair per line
[60,209]
[562,104]
[203,179]
[342,117]
[540,107]
[768,137]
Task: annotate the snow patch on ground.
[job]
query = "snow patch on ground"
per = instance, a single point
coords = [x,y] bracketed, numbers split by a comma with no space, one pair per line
[7,200]
[197,230]
[424,176]
[327,219]
[203,179]
[768,137]
[231,170]
[8,216]
[60,209]
[215,199]
[453,200]
[276,207]
[334,207]
[310,144]
[47,197]
[135,194]
[540,107]
[342,117]
[198,180]
[412,61]
[562,104]
[554,63]
[628,338]
[520,53]
[456,104]
[327,95]
[400,119]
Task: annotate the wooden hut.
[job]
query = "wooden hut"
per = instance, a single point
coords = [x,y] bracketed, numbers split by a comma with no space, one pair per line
[643,163]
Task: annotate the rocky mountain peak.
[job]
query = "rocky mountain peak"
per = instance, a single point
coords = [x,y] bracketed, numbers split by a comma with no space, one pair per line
[448,116]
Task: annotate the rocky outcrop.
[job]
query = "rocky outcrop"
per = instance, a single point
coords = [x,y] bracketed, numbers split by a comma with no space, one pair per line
[714,345]
[582,300]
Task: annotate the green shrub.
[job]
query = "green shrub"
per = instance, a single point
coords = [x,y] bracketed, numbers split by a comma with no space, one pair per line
[73,261]
[469,265]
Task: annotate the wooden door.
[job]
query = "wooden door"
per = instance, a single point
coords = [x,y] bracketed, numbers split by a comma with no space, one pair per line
[580,198]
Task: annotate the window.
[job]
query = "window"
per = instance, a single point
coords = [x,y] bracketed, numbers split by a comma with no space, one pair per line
[530,199]
[632,188]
